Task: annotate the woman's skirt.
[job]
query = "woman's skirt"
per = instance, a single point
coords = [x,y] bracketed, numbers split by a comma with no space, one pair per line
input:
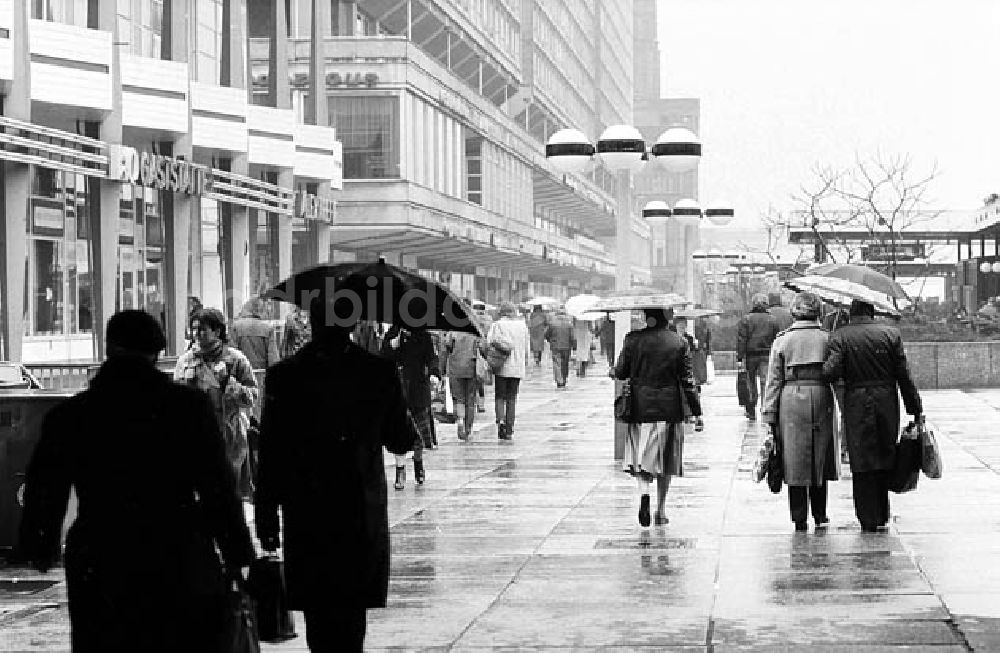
[655,448]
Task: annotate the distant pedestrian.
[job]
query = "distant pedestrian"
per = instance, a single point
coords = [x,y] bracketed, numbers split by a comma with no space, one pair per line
[297,332]
[798,408]
[606,336]
[413,352]
[657,363]
[869,357]
[583,332]
[463,356]
[755,333]
[485,323]
[225,375]
[328,412]
[193,306]
[157,505]
[508,378]
[562,341]
[253,336]
[779,311]
[699,366]
[537,322]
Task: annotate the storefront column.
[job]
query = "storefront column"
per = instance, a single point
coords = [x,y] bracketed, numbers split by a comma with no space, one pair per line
[16,190]
[177,209]
[286,179]
[319,232]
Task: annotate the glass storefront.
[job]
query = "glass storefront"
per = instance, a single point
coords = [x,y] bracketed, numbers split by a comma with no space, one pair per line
[141,279]
[264,253]
[58,294]
[368,127]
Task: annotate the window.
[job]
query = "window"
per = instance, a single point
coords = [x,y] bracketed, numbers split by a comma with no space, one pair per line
[368,127]
[68,12]
[474,170]
[140,25]
[208,42]
[141,252]
[59,289]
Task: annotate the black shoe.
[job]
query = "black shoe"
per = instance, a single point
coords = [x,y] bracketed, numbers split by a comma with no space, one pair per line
[822,522]
[660,519]
[801,527]
[751,415]
[644,511]
[400,478]
[418,471]
[508,432]
[501,430]
[869,528]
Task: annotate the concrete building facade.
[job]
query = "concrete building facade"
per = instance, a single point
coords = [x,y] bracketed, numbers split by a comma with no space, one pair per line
[139,170]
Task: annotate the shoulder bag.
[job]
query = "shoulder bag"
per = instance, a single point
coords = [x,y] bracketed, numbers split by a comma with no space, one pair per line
[623,403]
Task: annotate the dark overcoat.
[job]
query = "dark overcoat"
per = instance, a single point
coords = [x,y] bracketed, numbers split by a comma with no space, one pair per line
[657,361]
[869,357]
[417,360]
[537,323]
[799,404]
[156,497]
[328,412]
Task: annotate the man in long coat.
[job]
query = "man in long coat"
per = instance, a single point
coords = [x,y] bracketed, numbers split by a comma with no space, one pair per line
[328,411]
[157,497]
[869,357]
[755,334]
[537,322]
[562,342]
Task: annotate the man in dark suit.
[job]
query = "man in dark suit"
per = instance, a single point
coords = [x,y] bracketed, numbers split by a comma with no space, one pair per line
[328,411]
[755,334]
[869,357]
[156,498]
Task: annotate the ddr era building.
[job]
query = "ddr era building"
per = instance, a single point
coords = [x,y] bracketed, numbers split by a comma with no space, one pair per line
[156,150]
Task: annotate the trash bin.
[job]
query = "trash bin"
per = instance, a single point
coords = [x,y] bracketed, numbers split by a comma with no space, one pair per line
[21,414]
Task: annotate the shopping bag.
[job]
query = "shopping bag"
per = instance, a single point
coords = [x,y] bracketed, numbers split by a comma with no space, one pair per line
[266,585]
[760,463]
[240,632]
[906,470]
[623,403]
[930,455]
[775,467]
[743,388]
[709,370]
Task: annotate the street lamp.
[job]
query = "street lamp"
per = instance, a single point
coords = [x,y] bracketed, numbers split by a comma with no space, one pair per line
[720,213]
[687,212]
[677,149]
[569,151]
[621,148]
[656,212]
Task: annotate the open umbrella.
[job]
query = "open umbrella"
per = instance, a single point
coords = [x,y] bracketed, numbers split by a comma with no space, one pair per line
[638,299]
[377,292]
[579,307]
[842,292]
[862,275]
[695,313]
[542,301]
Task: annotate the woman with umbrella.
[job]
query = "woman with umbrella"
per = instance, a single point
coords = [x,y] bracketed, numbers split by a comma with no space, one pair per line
[657,363]
[798,408]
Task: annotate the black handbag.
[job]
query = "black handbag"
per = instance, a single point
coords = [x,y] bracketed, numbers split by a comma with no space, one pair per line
[743,388]
[240,633]
[775,466]
[623,403]
[267,586]
[906,468]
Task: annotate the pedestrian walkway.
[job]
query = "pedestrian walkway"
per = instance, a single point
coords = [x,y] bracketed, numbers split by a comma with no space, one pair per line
[534,545]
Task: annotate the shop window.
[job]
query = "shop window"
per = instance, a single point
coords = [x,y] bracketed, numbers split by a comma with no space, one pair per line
[58,283]
[264,252]
[140,282]
[368,127]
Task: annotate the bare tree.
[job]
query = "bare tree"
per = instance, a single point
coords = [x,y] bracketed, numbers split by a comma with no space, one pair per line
[776,225]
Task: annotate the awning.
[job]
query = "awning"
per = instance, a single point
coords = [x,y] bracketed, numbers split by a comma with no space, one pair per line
[589,208]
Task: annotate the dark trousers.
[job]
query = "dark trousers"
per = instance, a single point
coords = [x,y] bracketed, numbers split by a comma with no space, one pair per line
[609,352]
[560,365]
[802,498]
[336,629]
[506,400]
[463,392]
[538,356]
[756,371]
[871,498]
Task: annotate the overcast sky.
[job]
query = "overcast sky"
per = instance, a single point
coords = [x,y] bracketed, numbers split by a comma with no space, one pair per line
[786,83]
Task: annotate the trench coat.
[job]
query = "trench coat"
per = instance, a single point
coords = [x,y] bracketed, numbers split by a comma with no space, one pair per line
[463,350]
[156,500]
[537,322]
[802,414]
[869,357]
[584,340]
[328,411]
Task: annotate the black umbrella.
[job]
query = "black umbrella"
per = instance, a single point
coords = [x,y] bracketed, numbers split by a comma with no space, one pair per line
[377,292]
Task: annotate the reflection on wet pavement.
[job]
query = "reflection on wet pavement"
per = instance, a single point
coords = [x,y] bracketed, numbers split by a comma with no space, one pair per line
[534,544]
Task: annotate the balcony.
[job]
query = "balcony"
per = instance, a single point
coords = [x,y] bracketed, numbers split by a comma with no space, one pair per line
[219,117]
[70,66]
[318,154]
[154,94]
[271,136]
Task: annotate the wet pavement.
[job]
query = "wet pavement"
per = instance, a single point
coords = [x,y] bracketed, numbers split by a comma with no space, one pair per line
[534,545]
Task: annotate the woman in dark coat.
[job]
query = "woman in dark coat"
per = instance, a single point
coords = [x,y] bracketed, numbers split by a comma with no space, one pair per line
[657,362]
[798,408]
[328,412]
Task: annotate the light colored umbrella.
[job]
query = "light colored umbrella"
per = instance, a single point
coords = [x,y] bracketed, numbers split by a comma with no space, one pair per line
[695,313]
[842,292]
[542,301]
[579,307]
[639,301]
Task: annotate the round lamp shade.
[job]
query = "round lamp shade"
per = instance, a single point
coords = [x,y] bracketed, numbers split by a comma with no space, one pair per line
[699,254]
[720,213]
[732,253]
[621,148]
[996,267]
[678,149]
[715,252]
[656,212]
[985,267]
[687,212]
[569,150]
[732,269]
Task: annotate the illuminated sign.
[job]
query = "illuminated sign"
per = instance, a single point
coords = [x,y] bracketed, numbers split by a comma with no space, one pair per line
[126,164]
